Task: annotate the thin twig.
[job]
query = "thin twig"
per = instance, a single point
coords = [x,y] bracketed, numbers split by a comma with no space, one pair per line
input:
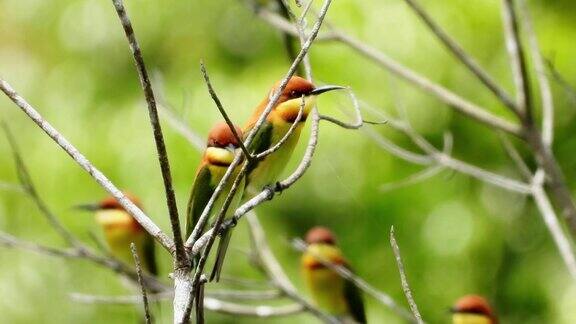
[10,241]
[181,256]
[211,304]
[462,56]
[517,59]
[223,111]
[245,294]
[380,296]
[514,155]
[541,75]
[199,300]
[562,242]
[286,136]
[358,115]
[561,80]
[147,316]
[249,137]
[455,101]
[403,279]
[28,185]
[216,229]
[132,209]
[169,113]
[415,178]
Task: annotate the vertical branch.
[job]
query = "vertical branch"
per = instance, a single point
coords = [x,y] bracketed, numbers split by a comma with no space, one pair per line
[141,283]
[181,257]
[541,75]
[405,286]
[223,111]
[199,300]
[517,59]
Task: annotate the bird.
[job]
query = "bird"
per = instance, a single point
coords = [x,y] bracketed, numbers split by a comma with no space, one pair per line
[332,293]
[121,229]
[220,151]
[265,172]
[473,309]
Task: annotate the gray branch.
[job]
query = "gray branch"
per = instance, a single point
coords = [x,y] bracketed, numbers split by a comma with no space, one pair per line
[181,256]
[132,209]
[403,279]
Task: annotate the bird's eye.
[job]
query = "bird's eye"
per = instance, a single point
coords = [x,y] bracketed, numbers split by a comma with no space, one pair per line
[294,94]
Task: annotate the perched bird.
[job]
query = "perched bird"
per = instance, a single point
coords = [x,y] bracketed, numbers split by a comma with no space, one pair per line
[120,229]
[473,309]
[331,293]
[219,154]
[266,172]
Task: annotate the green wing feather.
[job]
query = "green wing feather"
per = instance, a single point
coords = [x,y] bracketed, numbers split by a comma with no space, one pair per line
[262,141]
[354,301]
[150,255]
[202,190]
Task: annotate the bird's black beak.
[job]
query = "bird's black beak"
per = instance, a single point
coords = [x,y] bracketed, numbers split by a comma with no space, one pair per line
[87,207]
[325,88]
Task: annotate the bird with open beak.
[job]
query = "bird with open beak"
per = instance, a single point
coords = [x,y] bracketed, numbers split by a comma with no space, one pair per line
[331,293]
[267,171]
[472,309]
[220,151]
[120,229]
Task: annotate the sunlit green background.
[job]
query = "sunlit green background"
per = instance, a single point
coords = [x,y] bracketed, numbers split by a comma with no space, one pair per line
[458,236]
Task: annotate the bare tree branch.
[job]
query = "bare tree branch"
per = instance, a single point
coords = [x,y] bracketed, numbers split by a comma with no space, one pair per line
[181,256]
[223,111]
[405,286]
[10,241]
[195,236]
[560,80]
[540,69]
[417,177]
[132,209]
[517,59]
[169,113]
[512,152]
[462,56]
[453,100]
[147,316]
[286,136]
[551,220]
[211,304]
[30,189]
[245,294]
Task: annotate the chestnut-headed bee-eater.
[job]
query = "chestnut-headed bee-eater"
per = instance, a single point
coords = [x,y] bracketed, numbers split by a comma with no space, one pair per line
[120,229]
[472,309]
[219,154]
[330,292]
[266,172]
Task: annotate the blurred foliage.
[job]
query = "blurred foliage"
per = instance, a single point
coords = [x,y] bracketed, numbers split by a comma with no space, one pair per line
[457,236]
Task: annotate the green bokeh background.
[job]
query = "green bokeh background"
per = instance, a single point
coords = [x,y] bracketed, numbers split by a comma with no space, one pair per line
[457,235]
